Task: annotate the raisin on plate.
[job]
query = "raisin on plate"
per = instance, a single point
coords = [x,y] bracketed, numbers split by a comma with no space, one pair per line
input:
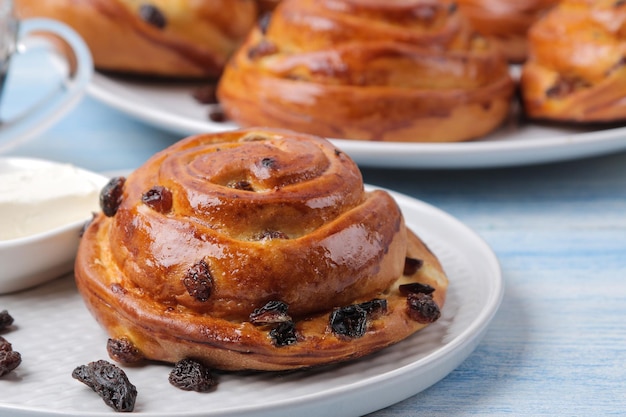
[109,382]
[9,360]
[6,320]
[190,375]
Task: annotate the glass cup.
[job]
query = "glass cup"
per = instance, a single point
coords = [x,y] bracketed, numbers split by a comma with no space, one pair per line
[55,38]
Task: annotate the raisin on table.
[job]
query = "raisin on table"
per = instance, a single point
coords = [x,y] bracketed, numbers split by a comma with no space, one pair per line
[109,382]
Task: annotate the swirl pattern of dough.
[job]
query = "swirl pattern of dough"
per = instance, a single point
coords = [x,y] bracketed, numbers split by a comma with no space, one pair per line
[184,38]
[217,226]
[371,70]
[575,71]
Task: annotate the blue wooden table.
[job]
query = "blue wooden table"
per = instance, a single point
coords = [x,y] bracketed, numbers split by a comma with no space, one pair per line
[557,346]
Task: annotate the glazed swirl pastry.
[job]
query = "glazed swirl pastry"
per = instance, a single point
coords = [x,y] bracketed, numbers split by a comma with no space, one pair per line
[186,38]
[506,22]
[372,70]
[254,249]
[576,70]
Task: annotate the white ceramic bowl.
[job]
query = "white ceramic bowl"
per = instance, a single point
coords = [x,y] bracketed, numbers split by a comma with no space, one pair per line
[31,260]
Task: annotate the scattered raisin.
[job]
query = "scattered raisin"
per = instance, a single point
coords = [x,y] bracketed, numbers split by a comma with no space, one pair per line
[5,346]
[9,360]
[217,115]
[206,94]
[111,196]
[272,312]
[152,15]
[412,265]
[190,375]
[5,320]
[262,49]
[422,308]
[416,288]
[198,281]
[271,234]
[350,321]
[124,351]
[240,185]
[284,334]
[109,382]
[158,198]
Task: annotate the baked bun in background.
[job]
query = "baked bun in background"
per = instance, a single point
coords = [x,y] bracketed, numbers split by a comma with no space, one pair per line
[506,22]
[576,71]
[254,249]
[387,70]
[182,39]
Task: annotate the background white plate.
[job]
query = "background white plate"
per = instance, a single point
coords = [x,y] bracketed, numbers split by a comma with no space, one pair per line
[173,108]
[55,333]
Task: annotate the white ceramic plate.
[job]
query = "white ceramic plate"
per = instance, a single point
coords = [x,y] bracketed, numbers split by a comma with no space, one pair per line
[173,108]
[34,259]
[55,333]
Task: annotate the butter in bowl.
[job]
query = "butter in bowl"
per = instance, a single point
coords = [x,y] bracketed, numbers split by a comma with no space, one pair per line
[43,207]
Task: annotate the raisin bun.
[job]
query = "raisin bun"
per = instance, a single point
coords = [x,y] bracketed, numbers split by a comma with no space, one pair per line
[575,71]
[254,250]
[506,22]
[185,38]
[388,70]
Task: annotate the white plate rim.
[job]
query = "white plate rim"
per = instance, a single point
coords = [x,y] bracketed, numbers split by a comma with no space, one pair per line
[471,154]
[444,359]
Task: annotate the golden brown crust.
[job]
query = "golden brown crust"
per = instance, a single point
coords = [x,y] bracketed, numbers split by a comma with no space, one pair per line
[506,22]
[301,231]
[371,70]
[194,38]
[576,70]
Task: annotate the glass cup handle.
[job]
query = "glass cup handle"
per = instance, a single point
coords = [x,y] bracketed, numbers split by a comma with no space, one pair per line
[59,39]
